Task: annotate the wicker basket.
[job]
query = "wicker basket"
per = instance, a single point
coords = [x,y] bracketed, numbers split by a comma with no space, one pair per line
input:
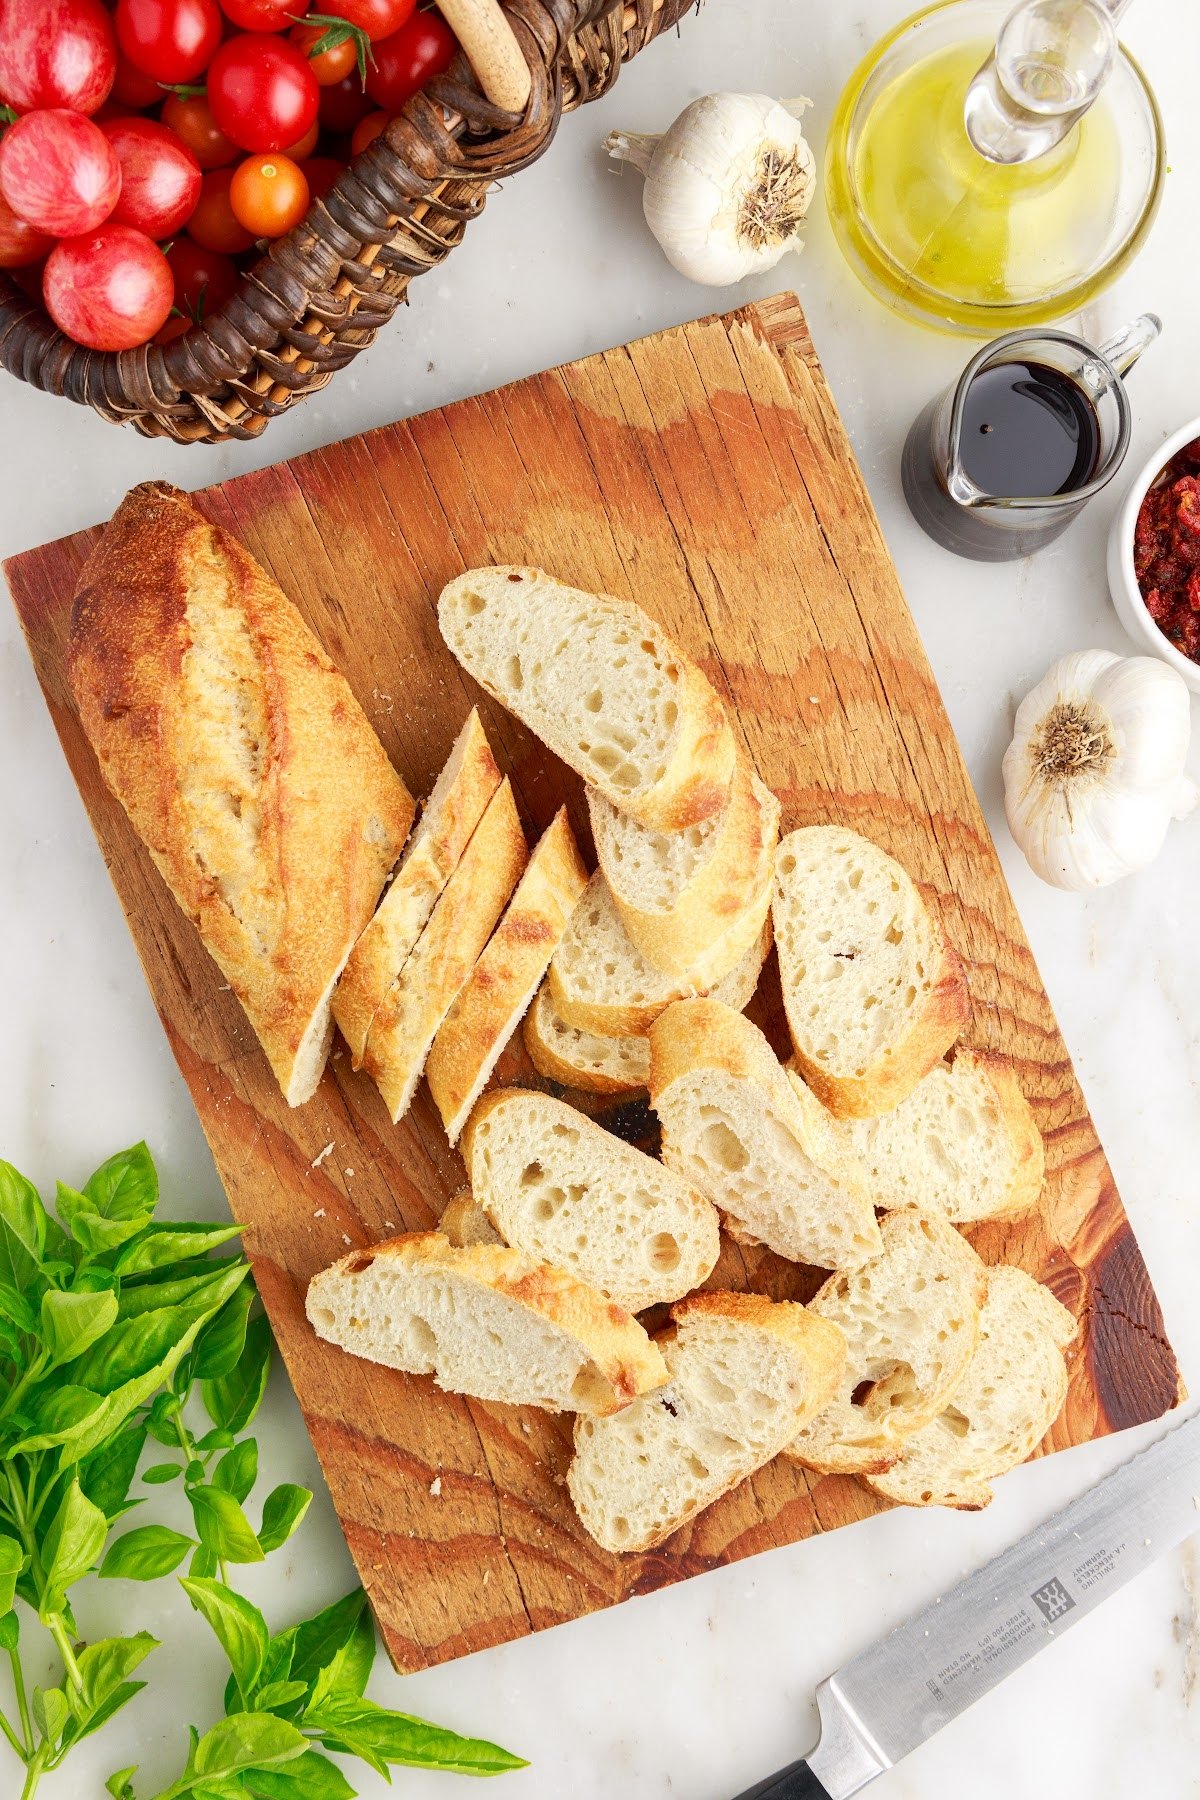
[319,295]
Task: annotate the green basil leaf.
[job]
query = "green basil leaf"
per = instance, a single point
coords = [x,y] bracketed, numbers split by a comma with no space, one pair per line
[318,1640]
[22,1228]
[108,1663]
[232,1400]
[373,1732]
[108,1473]
[124,1189]
[72,1323]
[73,1542]
[221,1342]
[145,1554]
[310,1777]
[248,1741]
[120,1785]
[58,1413]
[16,1310]
[283,1509]
[216,1439]
[155,1339]
[347,1670]
[12,1561]
[50,1712]
[10,1631]
[120,1696]
[202,1565]
[179,1290]
[240,1628]
[158,1473]
[162,1246]
[222,1526]
[237,1471]
[275,1696]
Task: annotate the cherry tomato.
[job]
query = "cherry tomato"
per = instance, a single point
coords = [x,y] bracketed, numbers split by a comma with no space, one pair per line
[303,146]
[344,105]
[378,18]
[269,194]
[110,289]
[172,40]
[132,89]
[20,244]
[59,172]
[263,15]
[189,116]
[56,53]
[174,328]
[367,130]
[405,61]
[262,92]
[160,178]
[204,279]
[332,65]
[321,172]
[213,224]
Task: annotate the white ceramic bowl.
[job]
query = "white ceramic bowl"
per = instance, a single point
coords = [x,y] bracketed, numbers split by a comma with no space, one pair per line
[1122,582]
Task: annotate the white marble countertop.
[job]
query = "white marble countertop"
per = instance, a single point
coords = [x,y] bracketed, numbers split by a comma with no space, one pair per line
[699,1690]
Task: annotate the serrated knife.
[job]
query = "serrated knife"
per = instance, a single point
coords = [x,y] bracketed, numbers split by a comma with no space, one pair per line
[890,1698]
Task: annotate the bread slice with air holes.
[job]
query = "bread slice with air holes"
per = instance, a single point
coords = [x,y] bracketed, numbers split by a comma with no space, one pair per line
[407,1019]
[874,994]
[599,1064]
[678,892]
[560,1187]
[910,1318]
[743,1373]
[498,991]
[600,683]
[964,1141]
[600,981]
[487,1321]
[459,799]
[465,1222]
[763,1150]
[1011,1394]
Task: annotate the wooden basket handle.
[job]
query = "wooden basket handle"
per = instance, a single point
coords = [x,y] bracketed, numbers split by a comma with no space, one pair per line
[492,51]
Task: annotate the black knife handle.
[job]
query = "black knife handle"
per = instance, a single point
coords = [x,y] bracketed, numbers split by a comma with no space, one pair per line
[796,1782]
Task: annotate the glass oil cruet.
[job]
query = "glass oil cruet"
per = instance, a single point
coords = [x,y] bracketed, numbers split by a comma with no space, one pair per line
[990,167]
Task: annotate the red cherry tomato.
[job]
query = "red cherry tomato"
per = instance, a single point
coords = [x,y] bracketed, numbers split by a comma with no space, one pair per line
[110,289]
[20,244]
[204,279]
[303,146]
[59,172]
[172,40]
[174,327]
[367,130]
[262,92]
[321,172]
[133,90]
[378,18]
[343,105]
[160,178]
[263,15]
[56,53]
[213,224]
[269,194]
[405,61]
[332,65]
[189,116]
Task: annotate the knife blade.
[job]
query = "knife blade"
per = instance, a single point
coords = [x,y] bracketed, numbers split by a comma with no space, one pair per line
[900,1691]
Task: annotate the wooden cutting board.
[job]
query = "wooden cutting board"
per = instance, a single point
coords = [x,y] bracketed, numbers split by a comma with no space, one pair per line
[705,472]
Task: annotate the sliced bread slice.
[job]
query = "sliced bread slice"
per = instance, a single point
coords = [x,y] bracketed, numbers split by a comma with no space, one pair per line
[601,684]
[1011,1394]
[763,1150]
[964,1141]
[465,1222]
[601,982]
[561,1188]
[503,982]
[910,1318]
[485,1320]
[678,892]
[448,818]
[874,994]
[407,1019]
[744,1374]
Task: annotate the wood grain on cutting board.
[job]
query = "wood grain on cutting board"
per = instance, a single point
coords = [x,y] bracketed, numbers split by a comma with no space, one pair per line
[705,473]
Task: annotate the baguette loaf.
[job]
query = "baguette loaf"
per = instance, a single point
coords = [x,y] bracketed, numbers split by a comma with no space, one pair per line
[487,1321]
[743,1374]
[449,816]
[763,1150]
[409,1015]
[600,982]
[506,977]
[601,684]
[910,1318]
[874,994]
[964,1141]
[243,761]
[678,892]
[1011,1394]
[558,1186]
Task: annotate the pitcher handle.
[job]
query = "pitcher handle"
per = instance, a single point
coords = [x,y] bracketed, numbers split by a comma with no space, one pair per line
[1124,347]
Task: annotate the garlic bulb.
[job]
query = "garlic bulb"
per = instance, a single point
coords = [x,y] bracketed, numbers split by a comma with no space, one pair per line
[727,186]
[1094,774]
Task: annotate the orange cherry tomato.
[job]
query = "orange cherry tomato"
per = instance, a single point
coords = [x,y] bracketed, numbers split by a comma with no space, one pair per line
[190,118]
[269,194]
[367,130]
[321,172]
[214,225]
[303,146]
[332,65]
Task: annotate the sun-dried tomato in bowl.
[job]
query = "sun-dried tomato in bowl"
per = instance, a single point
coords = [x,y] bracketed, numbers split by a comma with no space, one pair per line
[1166,550]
